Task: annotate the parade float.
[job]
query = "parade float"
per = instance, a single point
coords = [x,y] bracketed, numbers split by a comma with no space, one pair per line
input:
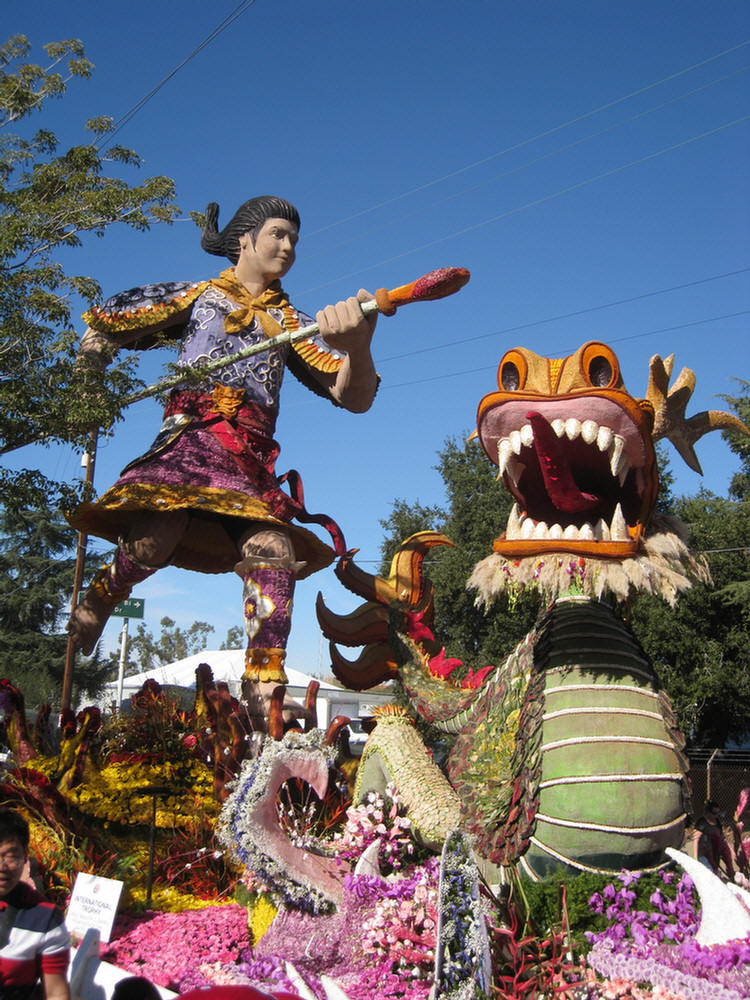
[275,859]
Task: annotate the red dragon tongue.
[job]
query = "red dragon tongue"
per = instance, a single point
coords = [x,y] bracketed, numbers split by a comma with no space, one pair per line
[558,478]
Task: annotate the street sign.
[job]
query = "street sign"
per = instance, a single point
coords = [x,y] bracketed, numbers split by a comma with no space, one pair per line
[130,608]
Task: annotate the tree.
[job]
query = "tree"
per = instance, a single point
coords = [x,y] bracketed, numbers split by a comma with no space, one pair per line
[36,579]
[49,199]
[235,638]
[701,648]
[740,486]
[173,644]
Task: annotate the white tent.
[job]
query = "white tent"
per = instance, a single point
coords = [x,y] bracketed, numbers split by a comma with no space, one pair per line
[229,664]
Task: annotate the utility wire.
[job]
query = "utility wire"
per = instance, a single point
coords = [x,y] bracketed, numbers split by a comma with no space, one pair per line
[231,17]
[536,202]
[561,316]
[565,351]
[527,142]
[401,217]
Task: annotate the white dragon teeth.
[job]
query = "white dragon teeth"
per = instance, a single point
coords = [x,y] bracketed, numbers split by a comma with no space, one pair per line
[618,460]
[589,430]
[526,528]
[572,428]
[618,527]
[508,448]
[527,435]
[513,529]
[507,463]
[604,438]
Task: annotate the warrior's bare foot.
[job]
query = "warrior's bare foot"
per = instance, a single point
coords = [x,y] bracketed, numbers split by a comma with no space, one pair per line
[88,620]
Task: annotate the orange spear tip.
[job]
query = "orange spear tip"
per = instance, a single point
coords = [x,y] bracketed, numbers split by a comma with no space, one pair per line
[435,285]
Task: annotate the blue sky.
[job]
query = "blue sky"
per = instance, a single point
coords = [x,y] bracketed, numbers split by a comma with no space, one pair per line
[585,160]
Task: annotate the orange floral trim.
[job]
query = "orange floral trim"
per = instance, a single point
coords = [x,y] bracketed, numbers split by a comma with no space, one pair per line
[101,319]
[265,665]
[312,354]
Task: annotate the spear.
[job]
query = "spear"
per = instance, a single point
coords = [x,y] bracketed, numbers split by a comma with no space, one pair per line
[434,285]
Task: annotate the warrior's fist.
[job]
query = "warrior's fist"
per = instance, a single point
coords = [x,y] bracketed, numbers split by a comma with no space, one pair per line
[344,327]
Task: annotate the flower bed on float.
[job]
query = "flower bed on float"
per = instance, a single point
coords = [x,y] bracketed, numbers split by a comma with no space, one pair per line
[418,923]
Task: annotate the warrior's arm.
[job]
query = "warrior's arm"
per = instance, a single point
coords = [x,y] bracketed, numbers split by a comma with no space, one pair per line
[345,328]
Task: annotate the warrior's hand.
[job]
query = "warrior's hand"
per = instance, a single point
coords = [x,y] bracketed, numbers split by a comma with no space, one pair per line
[344,327]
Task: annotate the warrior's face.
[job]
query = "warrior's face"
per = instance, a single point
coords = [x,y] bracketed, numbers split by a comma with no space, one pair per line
[270,255]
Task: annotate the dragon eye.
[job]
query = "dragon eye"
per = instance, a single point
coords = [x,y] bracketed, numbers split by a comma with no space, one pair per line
[600,372]
[599,365]
[511,375]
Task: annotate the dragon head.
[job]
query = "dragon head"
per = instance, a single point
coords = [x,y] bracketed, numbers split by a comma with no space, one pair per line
[574,449]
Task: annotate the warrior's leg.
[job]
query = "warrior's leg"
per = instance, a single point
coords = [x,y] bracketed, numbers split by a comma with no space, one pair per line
[150,543]
[268,572]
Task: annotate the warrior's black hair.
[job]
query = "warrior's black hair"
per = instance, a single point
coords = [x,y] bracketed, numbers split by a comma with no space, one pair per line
[247,219]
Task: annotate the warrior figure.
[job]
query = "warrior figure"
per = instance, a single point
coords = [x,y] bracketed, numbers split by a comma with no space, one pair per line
[205,496]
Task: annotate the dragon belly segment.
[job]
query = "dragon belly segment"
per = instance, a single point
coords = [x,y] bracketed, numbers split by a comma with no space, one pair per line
[567,754]
[613,792]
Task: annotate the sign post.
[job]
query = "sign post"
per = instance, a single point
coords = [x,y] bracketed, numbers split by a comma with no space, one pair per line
[133,607]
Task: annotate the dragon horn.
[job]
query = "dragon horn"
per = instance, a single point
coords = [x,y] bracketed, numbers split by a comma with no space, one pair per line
[369,623]
[669,411]
[404,582]
[373,666]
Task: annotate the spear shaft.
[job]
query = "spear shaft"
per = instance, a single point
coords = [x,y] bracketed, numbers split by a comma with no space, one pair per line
[435,285]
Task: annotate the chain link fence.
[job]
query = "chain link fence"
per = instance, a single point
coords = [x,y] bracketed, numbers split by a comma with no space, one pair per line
[719,775]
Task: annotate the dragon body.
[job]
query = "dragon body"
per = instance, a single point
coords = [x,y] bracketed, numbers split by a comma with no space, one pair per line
[567,754]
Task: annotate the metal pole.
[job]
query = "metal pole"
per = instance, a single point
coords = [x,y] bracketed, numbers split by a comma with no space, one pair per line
[123,659]
[70,651]
[708,773]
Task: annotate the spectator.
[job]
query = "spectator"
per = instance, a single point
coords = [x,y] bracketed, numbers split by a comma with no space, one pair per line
[712,845]
[34,942]
[135,988]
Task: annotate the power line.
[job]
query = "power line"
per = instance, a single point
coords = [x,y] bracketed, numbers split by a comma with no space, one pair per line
[527,142]
[231,17]
[536,202]
[565,351]
[528,163]
[569,315]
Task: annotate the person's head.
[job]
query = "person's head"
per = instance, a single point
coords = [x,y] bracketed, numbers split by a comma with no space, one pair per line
[14,848]
[248,219]
[712,811]
[135,988]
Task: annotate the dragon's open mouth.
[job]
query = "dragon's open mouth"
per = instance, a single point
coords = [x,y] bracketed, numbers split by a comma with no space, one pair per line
[575,482]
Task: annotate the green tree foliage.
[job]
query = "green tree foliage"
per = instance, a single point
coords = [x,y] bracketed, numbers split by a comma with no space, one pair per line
[740,485]
[174,643]
[50,198]
[36,580]
[700,649]
[235,638]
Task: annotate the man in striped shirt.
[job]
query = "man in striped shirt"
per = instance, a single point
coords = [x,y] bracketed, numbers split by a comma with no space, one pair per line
[34,942]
